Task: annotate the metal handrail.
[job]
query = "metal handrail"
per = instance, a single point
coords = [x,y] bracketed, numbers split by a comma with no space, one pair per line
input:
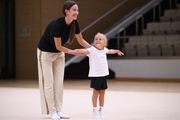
[103,16]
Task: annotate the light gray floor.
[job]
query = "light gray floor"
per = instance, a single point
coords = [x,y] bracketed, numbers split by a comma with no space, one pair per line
[19,100]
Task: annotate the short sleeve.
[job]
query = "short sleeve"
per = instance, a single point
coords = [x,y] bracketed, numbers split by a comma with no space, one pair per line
[106,50]
[77,27]
[89,50]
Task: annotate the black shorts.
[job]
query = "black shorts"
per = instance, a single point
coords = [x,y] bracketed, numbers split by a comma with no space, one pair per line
[99,83]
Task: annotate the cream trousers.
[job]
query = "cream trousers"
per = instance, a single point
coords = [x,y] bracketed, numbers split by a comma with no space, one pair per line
[51,76]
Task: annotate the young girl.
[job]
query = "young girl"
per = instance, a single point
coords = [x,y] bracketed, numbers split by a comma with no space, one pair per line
[51,58]
[99,71]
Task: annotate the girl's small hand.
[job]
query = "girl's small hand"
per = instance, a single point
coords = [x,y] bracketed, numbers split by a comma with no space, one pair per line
[120,53]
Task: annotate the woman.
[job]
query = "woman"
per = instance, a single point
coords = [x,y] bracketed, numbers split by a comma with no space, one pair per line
[51,58]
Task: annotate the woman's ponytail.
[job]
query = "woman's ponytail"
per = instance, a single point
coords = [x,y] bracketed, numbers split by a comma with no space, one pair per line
[72,33]
[67,5]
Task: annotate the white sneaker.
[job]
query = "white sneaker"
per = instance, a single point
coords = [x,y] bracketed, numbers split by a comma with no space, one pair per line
[62,115]
[101,113]
[96,113]
[55,116]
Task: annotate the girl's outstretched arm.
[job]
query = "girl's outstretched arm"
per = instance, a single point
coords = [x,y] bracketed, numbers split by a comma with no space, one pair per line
[113,51]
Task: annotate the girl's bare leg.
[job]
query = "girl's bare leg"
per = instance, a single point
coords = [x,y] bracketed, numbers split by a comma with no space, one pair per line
[94,102]
[101,103]
[95,97]
[101,97]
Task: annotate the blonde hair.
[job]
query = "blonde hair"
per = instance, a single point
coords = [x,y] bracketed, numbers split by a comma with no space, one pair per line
[103,37]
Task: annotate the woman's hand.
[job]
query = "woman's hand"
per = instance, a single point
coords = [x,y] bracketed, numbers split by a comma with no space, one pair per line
[79,52]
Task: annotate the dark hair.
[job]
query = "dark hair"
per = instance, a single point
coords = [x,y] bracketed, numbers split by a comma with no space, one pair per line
[67,5]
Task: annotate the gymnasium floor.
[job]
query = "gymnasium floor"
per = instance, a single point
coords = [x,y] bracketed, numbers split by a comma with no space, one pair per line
[19,100]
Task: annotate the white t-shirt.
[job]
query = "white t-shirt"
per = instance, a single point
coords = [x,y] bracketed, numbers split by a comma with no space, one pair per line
[98,62]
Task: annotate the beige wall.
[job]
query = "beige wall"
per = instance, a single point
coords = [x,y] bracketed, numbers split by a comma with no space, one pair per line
[37,14]
[27,13]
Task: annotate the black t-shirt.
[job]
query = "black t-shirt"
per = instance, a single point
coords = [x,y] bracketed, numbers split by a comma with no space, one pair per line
[56,28]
